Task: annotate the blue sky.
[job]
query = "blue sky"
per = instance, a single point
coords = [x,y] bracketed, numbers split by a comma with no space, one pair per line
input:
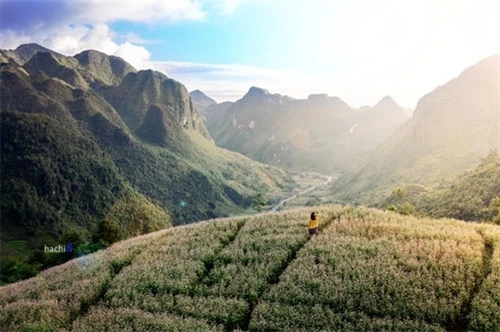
[357,50]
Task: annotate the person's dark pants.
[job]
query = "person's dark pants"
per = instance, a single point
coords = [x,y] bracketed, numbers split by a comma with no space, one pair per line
[313,231]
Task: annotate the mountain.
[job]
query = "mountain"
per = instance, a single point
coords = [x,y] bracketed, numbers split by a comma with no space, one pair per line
[202,102]
[106,69]
[24,53]
[56,67]
[452,128]
[384,117]
[138,91]
[80,147]
[366,270]
[320,133]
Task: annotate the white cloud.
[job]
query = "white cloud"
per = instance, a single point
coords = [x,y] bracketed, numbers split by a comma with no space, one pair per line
[137,56]
[136,39]
[69,27]
[10,39]
[148,11]
[70,40]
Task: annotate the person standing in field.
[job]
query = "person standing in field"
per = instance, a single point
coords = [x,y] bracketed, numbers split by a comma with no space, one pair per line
[313,223]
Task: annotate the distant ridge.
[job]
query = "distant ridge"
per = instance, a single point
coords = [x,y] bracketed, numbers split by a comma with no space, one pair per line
[386,102]
[292,133]
[451,129]
[256,92]
[200,96]
[202,102]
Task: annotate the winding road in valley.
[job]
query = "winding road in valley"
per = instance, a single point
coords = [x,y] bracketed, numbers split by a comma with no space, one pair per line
[305,191]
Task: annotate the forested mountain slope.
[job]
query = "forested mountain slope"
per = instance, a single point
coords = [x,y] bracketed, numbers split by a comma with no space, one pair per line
[82,135]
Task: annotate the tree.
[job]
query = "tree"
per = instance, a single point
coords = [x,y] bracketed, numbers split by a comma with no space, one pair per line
[258,202]
[407,209]
[399,193]
[110,231]
[495,206]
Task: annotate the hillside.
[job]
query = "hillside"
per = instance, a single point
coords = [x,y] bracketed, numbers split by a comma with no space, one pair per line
[366,270]
[320,133]
[452,128]
[469,197]
[80,143]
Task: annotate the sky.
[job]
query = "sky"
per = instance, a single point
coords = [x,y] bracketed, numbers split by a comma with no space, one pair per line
[359,51]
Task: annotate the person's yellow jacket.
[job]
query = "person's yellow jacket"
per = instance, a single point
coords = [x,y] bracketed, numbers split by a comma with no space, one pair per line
[313,223]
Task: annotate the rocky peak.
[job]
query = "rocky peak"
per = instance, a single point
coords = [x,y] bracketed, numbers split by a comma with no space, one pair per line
[386,102]
[256,92]
[25,52]
[318,97]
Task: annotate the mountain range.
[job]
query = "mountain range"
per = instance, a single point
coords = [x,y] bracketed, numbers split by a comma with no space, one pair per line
[375,148]
[320,133]
[451,130]
[88,137]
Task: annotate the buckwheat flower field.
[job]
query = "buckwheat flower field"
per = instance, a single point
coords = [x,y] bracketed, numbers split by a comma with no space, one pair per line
[365,270]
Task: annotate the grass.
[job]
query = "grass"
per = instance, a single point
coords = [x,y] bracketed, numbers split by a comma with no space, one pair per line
[365,270]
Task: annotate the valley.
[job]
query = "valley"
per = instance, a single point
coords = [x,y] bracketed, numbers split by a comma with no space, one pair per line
[313,183]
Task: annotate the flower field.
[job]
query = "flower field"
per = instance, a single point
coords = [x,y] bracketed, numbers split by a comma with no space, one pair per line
[365,270]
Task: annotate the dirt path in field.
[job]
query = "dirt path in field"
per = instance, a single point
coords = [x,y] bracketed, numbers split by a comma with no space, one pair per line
[462,323]
[114,269]
[209,265]
[275,278]
[305,191]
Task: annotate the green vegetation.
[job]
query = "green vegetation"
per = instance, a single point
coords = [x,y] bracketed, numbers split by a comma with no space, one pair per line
[258,202]
[73,171]
[141,217]
[52,178]
[472,196]
[57,187]
[366,270]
